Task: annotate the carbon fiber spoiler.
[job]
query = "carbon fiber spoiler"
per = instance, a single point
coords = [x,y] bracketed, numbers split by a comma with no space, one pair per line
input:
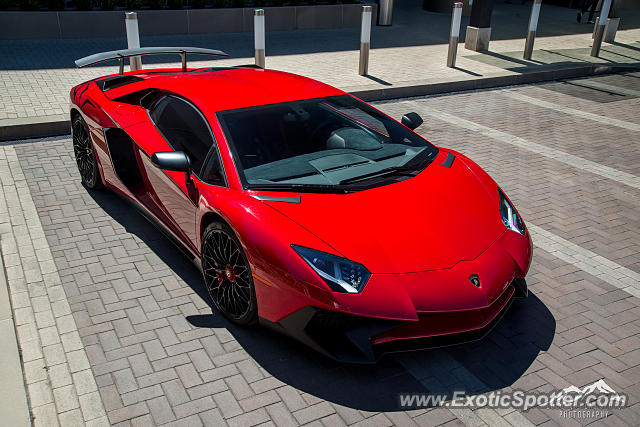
[127,53]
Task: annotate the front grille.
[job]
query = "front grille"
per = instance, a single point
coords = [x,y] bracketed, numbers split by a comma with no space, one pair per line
[345,336]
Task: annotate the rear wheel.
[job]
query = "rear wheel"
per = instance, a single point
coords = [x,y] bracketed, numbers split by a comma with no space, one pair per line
[85,154]
[227,275]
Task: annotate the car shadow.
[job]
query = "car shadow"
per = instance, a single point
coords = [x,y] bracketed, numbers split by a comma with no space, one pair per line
[495,362]
[492,363]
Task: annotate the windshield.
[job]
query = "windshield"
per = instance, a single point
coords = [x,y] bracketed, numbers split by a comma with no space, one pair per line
[336,143]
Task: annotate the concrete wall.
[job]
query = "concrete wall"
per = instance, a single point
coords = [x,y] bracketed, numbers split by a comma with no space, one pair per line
[77,24]
[631,4]
[445,6]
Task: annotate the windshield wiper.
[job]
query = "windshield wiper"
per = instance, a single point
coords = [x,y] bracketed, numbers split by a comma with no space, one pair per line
[302,188]
[393,170]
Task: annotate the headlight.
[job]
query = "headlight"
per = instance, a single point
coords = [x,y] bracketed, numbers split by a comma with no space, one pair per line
[509,216]
[339,273]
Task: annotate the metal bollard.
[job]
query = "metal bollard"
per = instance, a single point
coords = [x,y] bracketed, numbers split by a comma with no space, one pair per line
[385,12]
[602,20]
[365,40]
[258,36]
[133,38]
[456,17]
[533,26]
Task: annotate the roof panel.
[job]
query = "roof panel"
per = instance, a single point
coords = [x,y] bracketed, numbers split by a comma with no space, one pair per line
[239,87]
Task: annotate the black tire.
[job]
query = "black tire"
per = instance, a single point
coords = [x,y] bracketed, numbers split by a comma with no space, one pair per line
[227,275]
[85,154]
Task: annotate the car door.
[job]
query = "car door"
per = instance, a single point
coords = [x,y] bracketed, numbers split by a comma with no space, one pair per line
[185,129]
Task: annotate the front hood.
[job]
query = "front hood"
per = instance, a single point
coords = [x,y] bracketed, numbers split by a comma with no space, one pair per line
[442,216]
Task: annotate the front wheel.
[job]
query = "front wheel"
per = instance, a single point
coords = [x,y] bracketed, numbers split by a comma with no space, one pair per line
[85,154]
[227,275]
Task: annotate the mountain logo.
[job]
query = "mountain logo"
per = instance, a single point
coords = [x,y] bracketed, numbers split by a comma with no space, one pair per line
[599,386]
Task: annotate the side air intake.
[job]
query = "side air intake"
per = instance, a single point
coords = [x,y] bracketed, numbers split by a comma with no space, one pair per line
[117,81]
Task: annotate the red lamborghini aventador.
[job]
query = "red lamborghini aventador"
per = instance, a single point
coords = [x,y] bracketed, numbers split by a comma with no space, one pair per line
[307,209]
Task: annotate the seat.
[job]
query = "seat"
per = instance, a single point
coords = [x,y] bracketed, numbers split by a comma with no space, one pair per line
[352,138]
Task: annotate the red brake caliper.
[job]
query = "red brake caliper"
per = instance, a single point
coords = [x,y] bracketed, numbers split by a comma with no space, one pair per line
[230,273]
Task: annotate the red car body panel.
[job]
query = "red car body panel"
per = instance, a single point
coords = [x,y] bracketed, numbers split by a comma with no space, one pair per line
[445,323]
[427,208]
[421,238]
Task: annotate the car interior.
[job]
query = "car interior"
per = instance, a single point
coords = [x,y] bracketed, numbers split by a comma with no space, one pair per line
[315,141]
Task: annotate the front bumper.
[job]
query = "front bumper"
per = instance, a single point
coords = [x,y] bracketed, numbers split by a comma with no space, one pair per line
[359,339]
[407,311]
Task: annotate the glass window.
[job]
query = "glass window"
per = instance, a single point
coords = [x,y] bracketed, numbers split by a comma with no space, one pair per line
[184,128]
[334,143]
[213,172]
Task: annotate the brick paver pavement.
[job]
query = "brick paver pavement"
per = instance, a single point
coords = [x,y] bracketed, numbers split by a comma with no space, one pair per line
[36,75]
[104,303]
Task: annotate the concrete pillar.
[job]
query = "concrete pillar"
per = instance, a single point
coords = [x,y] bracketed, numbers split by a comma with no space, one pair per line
[365,41]
[613,21]
[479,29]
[456,16]
[610,29]
[259,37]
[600,24]
[133,39]
[533,27]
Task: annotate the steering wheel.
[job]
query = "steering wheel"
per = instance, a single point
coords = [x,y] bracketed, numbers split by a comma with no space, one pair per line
[315,133]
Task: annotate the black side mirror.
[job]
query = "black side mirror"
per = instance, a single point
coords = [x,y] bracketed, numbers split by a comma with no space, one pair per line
[176,161]
[412,120]
[172,161]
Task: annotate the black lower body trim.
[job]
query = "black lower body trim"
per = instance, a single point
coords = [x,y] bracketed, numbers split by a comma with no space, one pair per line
[348,338]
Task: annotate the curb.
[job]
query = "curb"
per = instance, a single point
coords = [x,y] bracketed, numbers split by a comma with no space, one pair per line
[39,127]
[14,402]
[382,94]
[36,127]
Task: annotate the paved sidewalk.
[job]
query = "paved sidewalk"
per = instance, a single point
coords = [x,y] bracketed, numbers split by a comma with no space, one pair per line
[36,76]
[115,326]
[13,396]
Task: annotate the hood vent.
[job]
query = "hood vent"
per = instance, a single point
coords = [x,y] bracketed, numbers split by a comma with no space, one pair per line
[448,161]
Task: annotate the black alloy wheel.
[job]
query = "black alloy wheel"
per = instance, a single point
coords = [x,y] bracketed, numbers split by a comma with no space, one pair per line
[85,154]
[227,275]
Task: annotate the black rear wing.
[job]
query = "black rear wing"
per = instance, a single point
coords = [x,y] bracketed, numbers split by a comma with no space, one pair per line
[127,53]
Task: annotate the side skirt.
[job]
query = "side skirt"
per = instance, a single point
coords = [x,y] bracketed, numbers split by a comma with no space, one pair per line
[163,229]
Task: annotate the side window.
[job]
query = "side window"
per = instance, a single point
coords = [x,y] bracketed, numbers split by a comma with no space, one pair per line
[212,172]
[184,128]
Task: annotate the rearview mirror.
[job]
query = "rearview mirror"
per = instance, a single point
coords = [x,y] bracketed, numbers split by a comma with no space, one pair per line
[172,161]
[412,120]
